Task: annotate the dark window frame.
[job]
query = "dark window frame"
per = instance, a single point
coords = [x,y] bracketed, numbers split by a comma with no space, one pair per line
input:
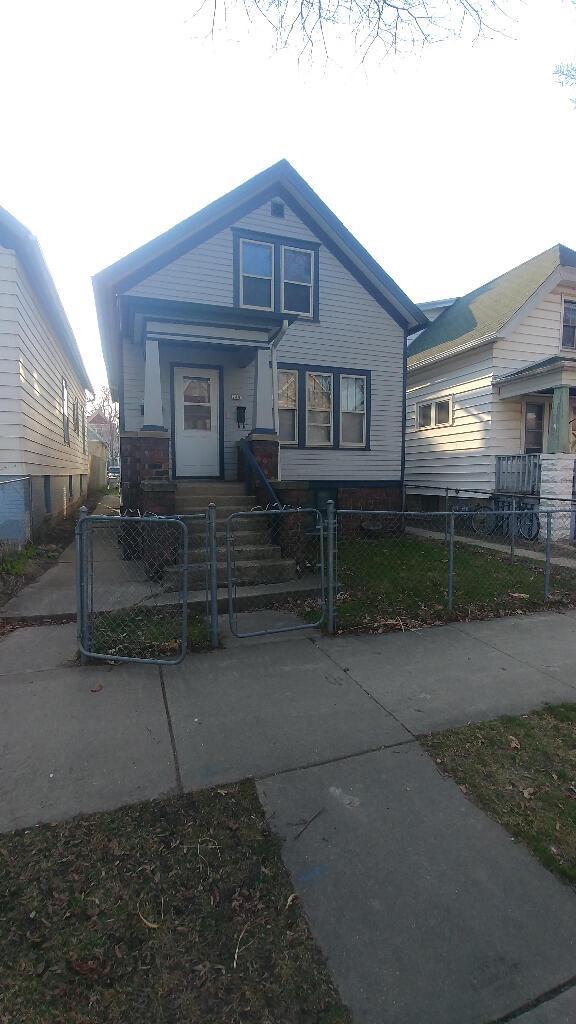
[568,329]
[278,242]
[65,416]
[303,369]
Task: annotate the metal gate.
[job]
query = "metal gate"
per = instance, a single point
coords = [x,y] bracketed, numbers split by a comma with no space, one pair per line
[275,558]
[132,585]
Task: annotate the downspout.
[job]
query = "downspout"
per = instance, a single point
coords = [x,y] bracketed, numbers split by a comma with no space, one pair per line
[274,343]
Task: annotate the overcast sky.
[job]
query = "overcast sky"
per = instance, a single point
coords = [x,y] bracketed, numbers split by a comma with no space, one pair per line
[450,165]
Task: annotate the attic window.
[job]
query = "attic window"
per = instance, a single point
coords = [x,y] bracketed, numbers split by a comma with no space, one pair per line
[569,325]
[277,208]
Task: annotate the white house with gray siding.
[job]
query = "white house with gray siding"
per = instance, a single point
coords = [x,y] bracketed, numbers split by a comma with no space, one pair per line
[491,389]
[43,384]
[259,323]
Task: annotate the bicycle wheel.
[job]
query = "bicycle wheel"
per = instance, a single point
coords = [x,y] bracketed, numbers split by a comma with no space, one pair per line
[484,521]
[528,524]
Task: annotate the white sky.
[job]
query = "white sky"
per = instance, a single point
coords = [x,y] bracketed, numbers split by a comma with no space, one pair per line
[450,165]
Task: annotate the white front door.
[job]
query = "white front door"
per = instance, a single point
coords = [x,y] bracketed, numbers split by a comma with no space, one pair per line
[197,421]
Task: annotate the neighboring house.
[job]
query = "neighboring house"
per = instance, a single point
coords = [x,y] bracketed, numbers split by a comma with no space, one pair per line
[42,386]
[98,460]
[259,318]
[491,392]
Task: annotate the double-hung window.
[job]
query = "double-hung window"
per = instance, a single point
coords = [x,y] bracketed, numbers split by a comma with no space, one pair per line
[319,409]
[256,274]
[65,417]
[297,281]
[352,411]
[288,406]
[569,325]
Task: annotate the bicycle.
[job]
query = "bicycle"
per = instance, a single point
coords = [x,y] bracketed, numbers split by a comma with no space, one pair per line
[496,517]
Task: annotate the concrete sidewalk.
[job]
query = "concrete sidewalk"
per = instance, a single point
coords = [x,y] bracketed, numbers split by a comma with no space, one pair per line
[426,909]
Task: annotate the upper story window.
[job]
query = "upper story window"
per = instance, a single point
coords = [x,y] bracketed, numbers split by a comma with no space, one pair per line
[278,275]
[297,281]
[65,416]
[569,325]
[256,274]
[437,413]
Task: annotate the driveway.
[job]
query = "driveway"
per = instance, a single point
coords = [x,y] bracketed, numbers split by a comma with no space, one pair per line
[425,908]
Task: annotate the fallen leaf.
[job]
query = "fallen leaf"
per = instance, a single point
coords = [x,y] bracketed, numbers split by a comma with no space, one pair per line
[96,689]
[291,899]
[527,793]
[520,597]
[514,743]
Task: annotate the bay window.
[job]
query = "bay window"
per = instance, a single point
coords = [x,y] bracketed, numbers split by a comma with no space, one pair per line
[319,409]
[256,275]
[288,406]
[352,411]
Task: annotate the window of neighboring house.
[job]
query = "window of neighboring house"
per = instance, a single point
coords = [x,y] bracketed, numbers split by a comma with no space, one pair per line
[256,274]
[319,409]
[534,428]
[76,415]
[65,417]
[288,406]
[352,411]
[569,325]
[47,496]
[70,488]
[297,281]
[84,430]
[437,413]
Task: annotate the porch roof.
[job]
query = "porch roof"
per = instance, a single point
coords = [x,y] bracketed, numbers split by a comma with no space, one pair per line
[138,314]
[544,375]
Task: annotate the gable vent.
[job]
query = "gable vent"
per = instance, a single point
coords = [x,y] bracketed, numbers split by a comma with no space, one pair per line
[277,208]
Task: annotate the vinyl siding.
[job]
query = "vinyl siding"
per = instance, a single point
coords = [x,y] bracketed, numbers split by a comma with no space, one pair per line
[457,455]
[32,365]
[354,331]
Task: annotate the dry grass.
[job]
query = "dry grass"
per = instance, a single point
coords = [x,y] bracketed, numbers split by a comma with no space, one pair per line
[170,911]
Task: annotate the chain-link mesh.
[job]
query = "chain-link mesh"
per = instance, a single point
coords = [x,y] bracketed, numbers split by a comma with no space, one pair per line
[275,558]
[132,588]
[399,570]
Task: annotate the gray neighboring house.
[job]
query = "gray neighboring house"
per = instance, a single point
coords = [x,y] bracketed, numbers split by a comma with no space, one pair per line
[260,319]
[43,384]
[491,390]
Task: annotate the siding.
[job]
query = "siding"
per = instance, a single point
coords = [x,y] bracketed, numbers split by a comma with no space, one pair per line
[354,331]
[459,455]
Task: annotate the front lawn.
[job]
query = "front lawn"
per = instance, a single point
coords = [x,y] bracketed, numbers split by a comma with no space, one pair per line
[522,771]
[146,633]
[402,582]
[176,911]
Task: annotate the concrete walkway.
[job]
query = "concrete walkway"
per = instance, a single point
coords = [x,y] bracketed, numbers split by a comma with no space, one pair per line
[426,910]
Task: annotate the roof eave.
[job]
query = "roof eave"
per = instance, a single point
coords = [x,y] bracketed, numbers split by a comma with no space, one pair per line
[435,357]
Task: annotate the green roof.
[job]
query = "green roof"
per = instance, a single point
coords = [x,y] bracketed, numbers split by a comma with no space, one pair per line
[483,312]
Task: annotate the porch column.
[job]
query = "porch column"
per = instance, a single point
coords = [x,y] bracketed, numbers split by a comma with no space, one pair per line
[559,433]
[153,418]
[264,394]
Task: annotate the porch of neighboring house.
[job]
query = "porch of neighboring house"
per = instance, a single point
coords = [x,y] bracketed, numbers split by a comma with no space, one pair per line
[544,470]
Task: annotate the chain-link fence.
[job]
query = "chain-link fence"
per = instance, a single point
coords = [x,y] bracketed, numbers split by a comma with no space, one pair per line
[399,570]
[276,554]
[132,588]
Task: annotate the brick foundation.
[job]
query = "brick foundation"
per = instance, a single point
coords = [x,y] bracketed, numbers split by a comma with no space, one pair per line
[373,498]
[145,473]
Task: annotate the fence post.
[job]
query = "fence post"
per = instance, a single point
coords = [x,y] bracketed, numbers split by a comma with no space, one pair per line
[81,570]
[548,553]
[213,567]
[331,567]
[446,515]
[513,531]
[451,562]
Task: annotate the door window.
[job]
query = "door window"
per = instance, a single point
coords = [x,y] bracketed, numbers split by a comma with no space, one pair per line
[534,428]
[197,403]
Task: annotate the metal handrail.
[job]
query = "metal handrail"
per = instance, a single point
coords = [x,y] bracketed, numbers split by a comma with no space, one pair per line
[257,470]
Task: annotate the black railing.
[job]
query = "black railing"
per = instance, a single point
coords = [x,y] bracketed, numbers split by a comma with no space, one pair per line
[256,471]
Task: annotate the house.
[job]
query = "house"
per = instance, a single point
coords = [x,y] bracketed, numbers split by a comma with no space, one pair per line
[491,389]
[259,324]
[43,383]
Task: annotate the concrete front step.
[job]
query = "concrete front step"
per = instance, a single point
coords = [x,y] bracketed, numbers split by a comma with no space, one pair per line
[211,489]
[244,537]
[270,571]
[240,553]
[240,524]
[200,502]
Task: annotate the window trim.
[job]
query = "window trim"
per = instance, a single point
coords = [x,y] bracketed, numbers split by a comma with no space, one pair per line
[284,281]
[257,277]
[321,373]
[294,443]
[352,444]
[566,348]
[432,402]
[277,242]
[337,372]
[547,409]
